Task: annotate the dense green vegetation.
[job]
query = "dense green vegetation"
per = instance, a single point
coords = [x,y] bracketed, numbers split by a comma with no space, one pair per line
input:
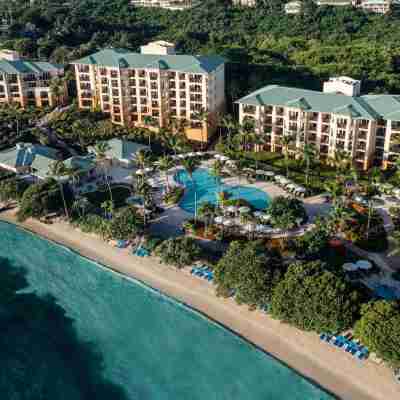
[286,213]
[262,45]
[378,329]
[312,298]
[248,270]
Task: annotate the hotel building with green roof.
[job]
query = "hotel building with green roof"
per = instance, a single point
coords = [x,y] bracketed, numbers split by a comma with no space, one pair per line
[365,127]
[154,90]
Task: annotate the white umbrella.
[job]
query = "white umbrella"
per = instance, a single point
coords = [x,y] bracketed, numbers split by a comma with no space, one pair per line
[349,267]
[279,177]
[148,169]
[219,220]
[181,155]
[217,156]
[359,199]
[146,211]
[244,209]
[199,153]
[396,191]
[266,217]
[191,154]
[228,222]
[231,209]
[260,172]
[224,158]
[364,264]
[268,173]
[258,214]
[139,172]
[284,180]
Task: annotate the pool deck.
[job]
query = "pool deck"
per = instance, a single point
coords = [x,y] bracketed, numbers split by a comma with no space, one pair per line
[169,223]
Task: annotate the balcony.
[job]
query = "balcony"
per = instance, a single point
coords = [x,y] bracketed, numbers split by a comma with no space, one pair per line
[195,78]
[195,88]
[84,78]
[86,95]
[279,111]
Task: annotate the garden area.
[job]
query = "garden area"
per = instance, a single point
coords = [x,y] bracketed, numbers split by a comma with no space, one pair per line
[119,195]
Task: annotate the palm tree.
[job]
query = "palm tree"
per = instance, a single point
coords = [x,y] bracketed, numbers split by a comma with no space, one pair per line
[207,213]
[341,161]
[375,176]
[190,165]
[229,124]
[57,88]
[152,122]
[100,150]
[142,158]
[165,163]
[58,169]
[216,171]
[144,190]
[369,192]
[308,154]
[286,141]
[108,208]
[202,116]
[335,189]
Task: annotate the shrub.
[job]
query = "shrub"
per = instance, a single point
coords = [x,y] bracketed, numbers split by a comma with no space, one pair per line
[174,195]
[313,299]
[379,329]
[93,223]
[250,271]
[179,251]
[286,211]
[126,224]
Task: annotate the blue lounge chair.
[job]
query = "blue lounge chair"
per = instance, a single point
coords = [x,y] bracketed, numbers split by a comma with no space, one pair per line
[322,336]
[122,244]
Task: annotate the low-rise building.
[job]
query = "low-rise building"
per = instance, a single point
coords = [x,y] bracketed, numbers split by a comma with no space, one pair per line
[293,7]
[154,90]
[122,152]
[175,5]
[343,85]
[244,3]
[29,159]
[364,127]
[30,83]
[379,6]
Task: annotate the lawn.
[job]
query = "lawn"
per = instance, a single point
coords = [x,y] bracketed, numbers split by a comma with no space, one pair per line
[119,192]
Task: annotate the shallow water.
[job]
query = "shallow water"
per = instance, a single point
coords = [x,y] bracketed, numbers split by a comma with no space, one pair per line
[102,336]
[206,187]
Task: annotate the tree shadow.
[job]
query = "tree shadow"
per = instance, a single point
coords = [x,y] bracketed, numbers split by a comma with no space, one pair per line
[41,356]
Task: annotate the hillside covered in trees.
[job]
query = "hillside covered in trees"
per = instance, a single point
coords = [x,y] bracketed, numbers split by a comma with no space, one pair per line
[262,45]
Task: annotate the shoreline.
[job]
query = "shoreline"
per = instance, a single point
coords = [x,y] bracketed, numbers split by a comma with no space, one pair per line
[329,368]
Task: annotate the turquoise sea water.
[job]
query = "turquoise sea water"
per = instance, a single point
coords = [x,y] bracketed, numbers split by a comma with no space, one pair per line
[72,330]
[206,187]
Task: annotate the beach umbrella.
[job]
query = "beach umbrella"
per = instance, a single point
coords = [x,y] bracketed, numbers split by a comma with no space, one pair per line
[284,180]
[139,172]
[219,219]
[228,222]
[268,173]
[266,217]
[364,264]
[244,209]
[231,209]
[224,158]
[260,172]
[217,156]
[301,189]
[191,154]
[181,155]
[258,214]
[349,267]
[199,153]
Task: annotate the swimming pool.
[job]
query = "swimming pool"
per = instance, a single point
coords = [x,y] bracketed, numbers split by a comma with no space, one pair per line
[206,187]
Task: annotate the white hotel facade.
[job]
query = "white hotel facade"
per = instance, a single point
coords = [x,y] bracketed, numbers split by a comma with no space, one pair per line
[365,127]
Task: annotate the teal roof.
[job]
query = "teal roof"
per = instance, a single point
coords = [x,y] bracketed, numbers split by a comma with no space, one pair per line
[124,149]
[120,58]
[24,155]
[81,163]
[27,67]
[371,107]
[386,105]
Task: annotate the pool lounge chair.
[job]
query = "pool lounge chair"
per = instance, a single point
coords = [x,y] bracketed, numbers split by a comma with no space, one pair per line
[122,244]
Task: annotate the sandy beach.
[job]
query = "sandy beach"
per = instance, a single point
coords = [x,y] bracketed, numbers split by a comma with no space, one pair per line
[331,368]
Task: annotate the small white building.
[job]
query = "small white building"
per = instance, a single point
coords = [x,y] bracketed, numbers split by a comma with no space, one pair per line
[343,85]
[379,6]
[293,7]
[159,47]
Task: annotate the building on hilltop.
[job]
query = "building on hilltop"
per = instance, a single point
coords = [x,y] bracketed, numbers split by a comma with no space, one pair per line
[154,90]
[30,83]
[175,5]
[293,7]
[364,127]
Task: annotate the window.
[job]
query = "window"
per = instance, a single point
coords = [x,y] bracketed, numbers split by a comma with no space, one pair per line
[116,110]
[154,94]
[155,113]
[117,118]
[172,85]
[182,85]
[142,73]
[116,102]
[104,90]
[105,99]
[106,107]
[182,103]
[114,74]
[86,103]
[143,92]
[84,78]
[103,71]
[104,81]
[83,68]
[195,78]
[85,86]
[154,104]
[171,75]
[182,94]
[144,110]
[154,85]
[131,73]
[143,100]
[114,83]
[44,95]
[115,92]
[172,94]
[182,76]
[153,76]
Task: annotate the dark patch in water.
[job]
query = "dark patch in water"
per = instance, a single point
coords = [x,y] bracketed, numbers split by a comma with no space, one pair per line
[41,357]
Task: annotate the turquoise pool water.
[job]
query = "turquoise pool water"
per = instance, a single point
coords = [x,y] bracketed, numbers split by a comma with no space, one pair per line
[75,331]
[207,186]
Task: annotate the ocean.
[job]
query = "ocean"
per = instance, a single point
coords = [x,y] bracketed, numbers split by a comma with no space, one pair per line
[73,330]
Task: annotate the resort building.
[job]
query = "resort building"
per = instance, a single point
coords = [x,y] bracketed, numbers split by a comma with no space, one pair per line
[29,83]
[244,3]
[175,5]
[29,159]
[122,152]
[154,90]
[293,7]
[365,127]
[379,6]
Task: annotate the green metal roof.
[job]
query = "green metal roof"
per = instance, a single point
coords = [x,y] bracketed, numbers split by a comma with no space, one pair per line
[25,154]
[371,107]
[124,149]
[27,67]
[120,58]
